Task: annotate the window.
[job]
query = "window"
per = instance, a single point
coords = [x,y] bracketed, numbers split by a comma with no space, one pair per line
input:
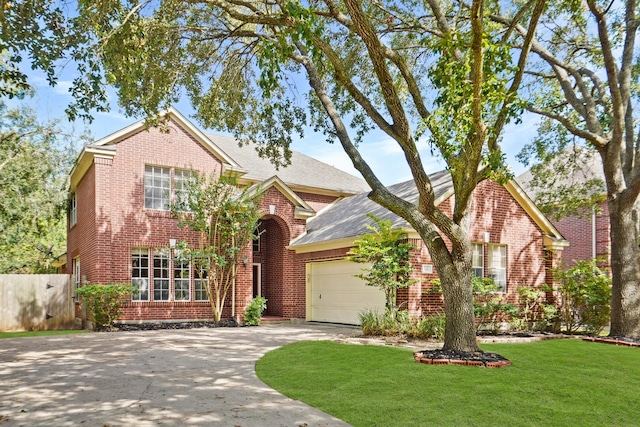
[77,281]
[161,275]
[256,244]
[140,274]
[200,284]
[478,260]
[73,210]
[181,179]
[497,265]
[157,185]
[181,278]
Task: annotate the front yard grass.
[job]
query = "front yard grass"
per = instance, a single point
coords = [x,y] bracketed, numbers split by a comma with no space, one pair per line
[551,383]
[40,333]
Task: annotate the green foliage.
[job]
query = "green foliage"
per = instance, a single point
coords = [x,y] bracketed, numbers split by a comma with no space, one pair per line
[396,322]
[490,307]
[533,313]
[253,312]
[584,296]
[388,252]
[104,302]
[225,216]
[34,161]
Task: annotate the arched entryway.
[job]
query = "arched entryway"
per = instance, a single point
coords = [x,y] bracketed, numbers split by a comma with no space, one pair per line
[268,263]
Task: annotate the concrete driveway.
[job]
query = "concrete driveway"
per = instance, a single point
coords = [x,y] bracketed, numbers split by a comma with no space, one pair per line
[167,377]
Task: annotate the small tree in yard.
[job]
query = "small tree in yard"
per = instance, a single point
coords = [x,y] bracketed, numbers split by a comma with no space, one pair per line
[388,253]
[225,217]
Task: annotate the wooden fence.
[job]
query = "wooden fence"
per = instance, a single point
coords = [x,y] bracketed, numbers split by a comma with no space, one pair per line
[36,302]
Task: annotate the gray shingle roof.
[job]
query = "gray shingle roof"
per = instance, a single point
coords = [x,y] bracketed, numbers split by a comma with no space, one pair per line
[303,171]
[590,167]
[347,217]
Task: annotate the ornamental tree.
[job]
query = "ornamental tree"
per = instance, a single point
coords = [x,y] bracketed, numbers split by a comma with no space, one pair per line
[388,253]
[225,218]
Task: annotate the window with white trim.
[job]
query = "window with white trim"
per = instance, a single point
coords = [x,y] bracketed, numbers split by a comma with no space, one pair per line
[200,283]
[157,187]
[478,260]
[181,278]
[73,210]
[181,179]
[161,275]
[140,274]
[497,265]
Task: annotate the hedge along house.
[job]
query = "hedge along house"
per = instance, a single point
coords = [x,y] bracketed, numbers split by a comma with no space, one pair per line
[121,230]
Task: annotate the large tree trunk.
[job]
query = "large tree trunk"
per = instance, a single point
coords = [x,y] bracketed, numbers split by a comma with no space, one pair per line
[455,272]
[625,268]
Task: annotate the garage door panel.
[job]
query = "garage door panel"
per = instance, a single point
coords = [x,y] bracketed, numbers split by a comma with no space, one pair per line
[336,295]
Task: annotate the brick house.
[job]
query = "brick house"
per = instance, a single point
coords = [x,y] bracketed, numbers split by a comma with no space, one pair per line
[121,230]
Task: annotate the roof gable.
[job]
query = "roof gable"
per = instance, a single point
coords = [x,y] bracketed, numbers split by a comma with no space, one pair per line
[302,209]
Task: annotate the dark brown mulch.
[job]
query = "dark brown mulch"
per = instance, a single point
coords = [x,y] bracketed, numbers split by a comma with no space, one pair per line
[481,356]
[624,341]
[125,327]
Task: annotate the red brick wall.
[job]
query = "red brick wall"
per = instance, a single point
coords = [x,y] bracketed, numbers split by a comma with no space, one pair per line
[578,230]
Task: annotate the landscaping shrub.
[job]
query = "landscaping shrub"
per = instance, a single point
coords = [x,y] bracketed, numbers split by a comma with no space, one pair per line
[254,310]
[398,323]
[490,308]
[584,297]
[104,302]
[533,313]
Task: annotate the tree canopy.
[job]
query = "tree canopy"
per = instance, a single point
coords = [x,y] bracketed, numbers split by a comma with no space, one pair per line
[34,162]
[583,80]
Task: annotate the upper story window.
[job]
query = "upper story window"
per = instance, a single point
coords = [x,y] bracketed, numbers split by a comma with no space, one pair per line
[157,187]
[181,179]
[73,210]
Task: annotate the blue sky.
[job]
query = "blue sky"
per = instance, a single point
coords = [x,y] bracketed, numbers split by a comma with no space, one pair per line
[381,152]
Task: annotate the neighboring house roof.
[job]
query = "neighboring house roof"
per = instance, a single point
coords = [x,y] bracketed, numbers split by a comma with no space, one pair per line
[304,174]
[340,223]
[588,167]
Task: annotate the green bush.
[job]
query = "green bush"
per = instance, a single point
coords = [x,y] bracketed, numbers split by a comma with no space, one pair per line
[253,312]
[584,297]
[533,313]
[490,308]
[398,323]
[104,302]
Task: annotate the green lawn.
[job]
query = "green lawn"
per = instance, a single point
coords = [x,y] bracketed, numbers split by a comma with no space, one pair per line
[550,383]
[40,333]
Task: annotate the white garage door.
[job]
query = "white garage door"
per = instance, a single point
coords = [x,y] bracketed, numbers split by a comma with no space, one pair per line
[335,295]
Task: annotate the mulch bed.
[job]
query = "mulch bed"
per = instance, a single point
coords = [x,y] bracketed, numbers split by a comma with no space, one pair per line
[452,357]
[126,327]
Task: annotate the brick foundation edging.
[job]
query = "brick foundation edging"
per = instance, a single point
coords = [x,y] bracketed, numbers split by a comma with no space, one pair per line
[612,341]
[419,357]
